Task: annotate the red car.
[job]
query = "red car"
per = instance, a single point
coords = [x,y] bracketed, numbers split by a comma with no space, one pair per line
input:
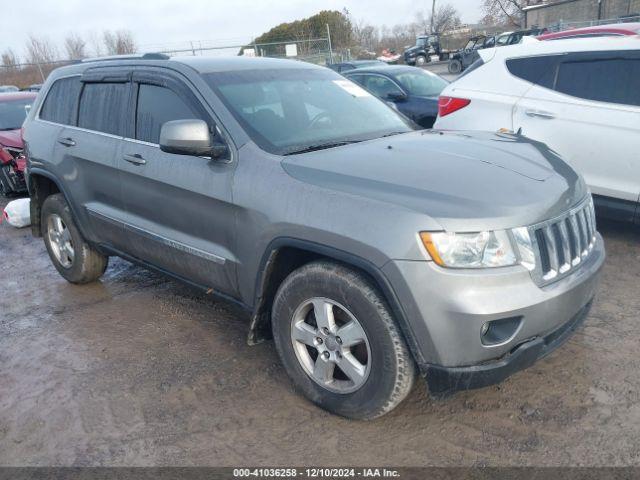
[612,30]
[14,107]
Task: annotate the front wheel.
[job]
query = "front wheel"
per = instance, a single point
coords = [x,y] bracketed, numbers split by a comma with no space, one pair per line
[421,60]
[339,343]
[73,257]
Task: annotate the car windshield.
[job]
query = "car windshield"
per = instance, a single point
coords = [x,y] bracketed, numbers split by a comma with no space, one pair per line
[287,111]
[470,44]
[13,113]
[421,83]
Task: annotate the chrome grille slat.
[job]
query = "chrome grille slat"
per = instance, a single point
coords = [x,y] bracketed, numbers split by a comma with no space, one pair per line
[566,248]
[561,244]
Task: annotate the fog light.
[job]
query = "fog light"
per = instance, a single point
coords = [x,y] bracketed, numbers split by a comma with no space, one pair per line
[500,331]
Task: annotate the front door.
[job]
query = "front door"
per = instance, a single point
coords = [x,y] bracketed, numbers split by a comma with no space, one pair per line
[180,215]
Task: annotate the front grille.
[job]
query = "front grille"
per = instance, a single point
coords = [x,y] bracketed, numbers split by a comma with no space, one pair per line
[563,243]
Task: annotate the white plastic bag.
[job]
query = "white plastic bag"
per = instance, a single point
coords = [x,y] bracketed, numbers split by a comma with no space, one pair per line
[17,213]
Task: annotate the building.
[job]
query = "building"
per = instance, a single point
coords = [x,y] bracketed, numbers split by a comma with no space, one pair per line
[547,14]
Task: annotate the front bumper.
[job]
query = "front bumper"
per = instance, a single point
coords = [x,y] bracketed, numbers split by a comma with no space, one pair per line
[446,310]
[444,381]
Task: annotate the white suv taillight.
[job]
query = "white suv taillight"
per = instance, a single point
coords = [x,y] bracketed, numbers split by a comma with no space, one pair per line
[447,105]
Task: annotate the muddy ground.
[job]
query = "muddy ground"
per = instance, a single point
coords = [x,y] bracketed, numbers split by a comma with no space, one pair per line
[140,370]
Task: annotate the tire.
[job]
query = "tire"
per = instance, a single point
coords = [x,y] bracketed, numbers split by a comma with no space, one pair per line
[5,188]
[85,265]
[386,370]
[455,66]
[421,60]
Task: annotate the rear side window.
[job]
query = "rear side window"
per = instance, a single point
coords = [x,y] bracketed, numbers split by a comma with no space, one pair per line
[60,104]
[102,107]
[538,70]
[157,105]
[612,80]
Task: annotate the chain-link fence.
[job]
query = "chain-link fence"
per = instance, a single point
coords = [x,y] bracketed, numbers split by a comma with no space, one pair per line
[314,50]
[562,25]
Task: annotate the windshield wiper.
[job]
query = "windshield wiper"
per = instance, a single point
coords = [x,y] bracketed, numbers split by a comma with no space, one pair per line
[390,134]
[320,146]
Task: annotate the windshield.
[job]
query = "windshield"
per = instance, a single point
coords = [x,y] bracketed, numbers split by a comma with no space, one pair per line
[421,83]
[289,110]
[13,113]
[470,45]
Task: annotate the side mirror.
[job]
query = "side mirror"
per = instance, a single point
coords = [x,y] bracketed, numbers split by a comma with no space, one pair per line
[189,137]
[396,96]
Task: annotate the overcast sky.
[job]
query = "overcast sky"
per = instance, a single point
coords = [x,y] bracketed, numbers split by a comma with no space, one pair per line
[171,22]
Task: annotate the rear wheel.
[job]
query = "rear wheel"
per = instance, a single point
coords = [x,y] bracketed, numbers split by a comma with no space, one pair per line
[72,256]
[455,66]
[339,343]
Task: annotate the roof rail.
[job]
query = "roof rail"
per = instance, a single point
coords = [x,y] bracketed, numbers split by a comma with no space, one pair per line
[144,56]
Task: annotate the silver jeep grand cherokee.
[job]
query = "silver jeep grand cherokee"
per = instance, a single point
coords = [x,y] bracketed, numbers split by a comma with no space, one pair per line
[368,250]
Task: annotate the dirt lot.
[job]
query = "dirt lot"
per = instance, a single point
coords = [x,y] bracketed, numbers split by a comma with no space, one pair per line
[141,370]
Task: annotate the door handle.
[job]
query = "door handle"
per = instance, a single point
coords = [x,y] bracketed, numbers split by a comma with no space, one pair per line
[67,142]
[540,114]
[135,159]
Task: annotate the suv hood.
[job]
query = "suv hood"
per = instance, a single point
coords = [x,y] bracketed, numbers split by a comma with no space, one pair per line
[11,138]
[464,181]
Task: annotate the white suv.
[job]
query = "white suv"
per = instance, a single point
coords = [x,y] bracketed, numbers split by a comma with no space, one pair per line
[579,96]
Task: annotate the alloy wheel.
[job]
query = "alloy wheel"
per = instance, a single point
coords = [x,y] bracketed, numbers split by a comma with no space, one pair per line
[331,345]
[60,240]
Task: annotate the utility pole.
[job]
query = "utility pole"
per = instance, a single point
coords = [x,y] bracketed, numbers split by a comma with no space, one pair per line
[433,14]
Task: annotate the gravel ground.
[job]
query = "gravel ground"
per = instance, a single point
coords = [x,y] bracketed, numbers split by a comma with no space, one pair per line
[140,370]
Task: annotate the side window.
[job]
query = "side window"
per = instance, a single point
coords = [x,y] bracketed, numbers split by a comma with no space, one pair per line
[380,86]
[538,70]
[612,80]
[157,105]
[60,104]
[359,79]
[102,107]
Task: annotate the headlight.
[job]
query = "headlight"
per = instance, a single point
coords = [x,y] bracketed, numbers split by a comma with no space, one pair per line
[473,250]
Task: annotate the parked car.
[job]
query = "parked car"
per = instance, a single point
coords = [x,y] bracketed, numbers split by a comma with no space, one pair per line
[465,57]
[33,88]
[363,247]
[14,107]
[578,96]
[8,88]
[611,30]
[413,91]
[354,64]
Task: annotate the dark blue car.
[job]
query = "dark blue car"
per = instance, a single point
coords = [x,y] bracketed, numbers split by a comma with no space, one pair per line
[413,91]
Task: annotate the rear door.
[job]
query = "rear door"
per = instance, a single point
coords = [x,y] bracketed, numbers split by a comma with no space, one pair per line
[88,150]
[180,215]
[589,112]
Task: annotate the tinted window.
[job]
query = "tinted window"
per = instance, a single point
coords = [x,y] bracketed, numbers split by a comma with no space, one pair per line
[102,107]
[60,104]
[418,82]
[157,105]
[380,86]
[613,80]
[538,70]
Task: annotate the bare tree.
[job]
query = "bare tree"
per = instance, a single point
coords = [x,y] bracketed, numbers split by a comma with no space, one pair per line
[503,12]
[446,18]
[75,47]
[40,50]
[120,42]
[9,59]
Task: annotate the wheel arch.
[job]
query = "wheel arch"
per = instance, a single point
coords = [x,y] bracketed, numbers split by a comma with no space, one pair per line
[284,255]
[41,184]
